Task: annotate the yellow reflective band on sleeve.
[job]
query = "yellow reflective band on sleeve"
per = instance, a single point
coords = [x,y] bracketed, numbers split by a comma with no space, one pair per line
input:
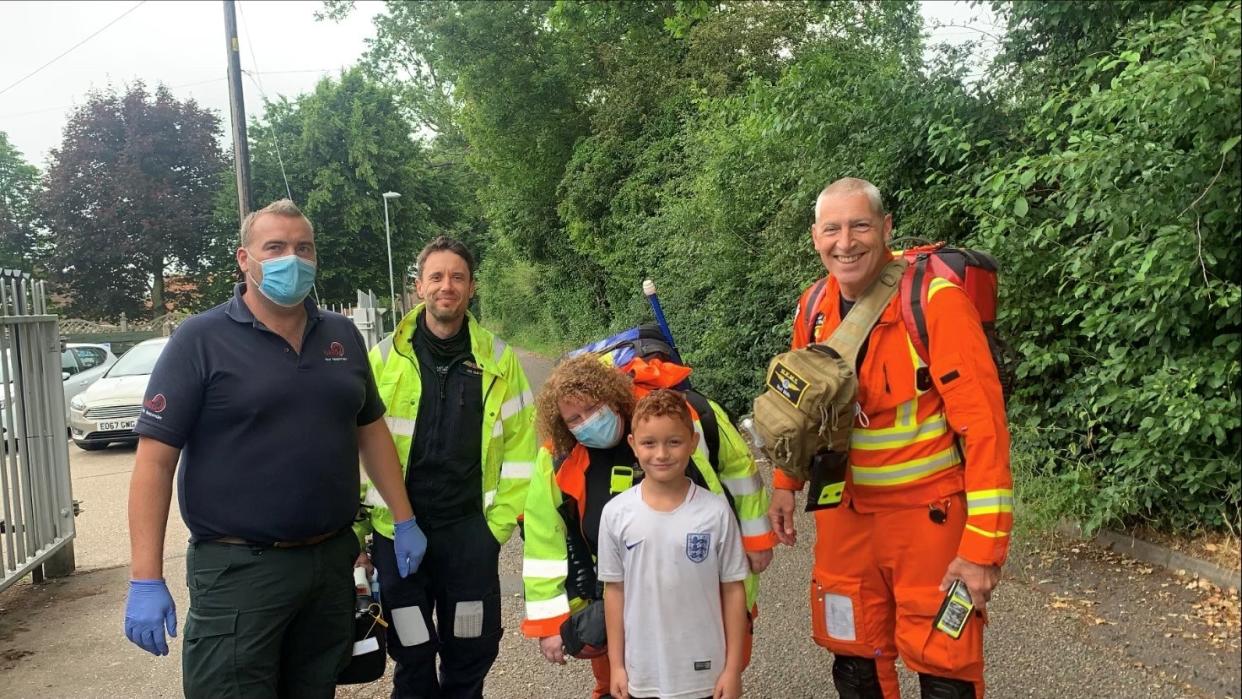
[984,532]
[906,471]
[985,502]
[937,285]
[972,495]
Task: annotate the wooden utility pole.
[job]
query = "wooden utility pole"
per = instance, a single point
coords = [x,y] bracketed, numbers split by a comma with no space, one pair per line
[237,110]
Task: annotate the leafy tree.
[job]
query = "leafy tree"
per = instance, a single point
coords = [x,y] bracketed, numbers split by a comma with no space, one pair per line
[1096,157]
[19,182]
[342,147]
[1113,201]
[127,197]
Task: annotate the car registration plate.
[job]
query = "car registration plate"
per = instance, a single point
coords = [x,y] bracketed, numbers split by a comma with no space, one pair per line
[114,425]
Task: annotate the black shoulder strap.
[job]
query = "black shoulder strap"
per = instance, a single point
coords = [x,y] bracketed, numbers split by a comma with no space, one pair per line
[711,440]
[812,303]
[711,428]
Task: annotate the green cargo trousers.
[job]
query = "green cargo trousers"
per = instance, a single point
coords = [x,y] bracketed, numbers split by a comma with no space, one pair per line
[268,622]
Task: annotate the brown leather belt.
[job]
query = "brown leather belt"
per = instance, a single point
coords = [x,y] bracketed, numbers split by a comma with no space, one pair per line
[238,541]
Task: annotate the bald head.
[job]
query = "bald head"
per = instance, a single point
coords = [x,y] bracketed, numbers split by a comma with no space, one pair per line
[852,185]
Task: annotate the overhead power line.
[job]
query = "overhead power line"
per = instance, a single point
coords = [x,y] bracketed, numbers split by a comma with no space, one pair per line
[69,50]
[42,110]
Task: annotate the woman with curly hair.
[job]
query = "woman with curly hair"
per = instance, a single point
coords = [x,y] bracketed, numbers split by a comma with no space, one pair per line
[583,416]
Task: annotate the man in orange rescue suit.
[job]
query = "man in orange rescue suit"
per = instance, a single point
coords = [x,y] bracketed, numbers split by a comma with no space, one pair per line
[928,497]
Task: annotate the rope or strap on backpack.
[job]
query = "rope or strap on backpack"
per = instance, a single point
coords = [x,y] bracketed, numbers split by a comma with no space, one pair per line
[810,311]
[849,336]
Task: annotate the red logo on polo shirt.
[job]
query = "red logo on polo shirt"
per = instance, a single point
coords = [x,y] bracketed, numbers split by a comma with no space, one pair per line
[156,403]
[335,352]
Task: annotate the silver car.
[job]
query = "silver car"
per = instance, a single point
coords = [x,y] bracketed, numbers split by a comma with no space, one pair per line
[81,364]
[106,412]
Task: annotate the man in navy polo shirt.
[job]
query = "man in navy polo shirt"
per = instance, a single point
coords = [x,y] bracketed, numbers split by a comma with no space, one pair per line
[267,402]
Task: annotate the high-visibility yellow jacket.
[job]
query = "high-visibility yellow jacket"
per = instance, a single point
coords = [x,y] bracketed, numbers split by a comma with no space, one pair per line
[545,565]
[508,422]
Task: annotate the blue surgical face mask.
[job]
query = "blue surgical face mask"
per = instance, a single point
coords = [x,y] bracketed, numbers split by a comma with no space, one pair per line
[286,280]
[602,430]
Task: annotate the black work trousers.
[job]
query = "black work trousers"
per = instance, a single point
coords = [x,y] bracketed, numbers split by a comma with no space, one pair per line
[268,622]
[458,581]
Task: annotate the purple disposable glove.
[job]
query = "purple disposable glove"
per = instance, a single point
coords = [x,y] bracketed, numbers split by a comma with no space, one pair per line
[150,610]
[410,545]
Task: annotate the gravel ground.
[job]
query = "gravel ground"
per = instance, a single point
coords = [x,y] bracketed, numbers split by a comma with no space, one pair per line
[1043,640]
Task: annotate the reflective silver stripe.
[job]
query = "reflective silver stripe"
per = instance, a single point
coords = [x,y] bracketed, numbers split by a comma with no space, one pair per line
[893,437]
[907,412]
[544,568]
[702,448]
[755,527]
[977,495]
[498,429]
[498,349]
[547,609]
[516,469]
[372,497]
[1002,501]
[400,426]
[905,472]
[743,486]
[989,502]
[516,404]
[488,498]
[385,347]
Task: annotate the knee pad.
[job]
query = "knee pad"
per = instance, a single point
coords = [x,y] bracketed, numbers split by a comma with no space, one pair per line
[856,678]
[932,687]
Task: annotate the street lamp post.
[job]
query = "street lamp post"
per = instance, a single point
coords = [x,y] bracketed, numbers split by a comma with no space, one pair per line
[392,287]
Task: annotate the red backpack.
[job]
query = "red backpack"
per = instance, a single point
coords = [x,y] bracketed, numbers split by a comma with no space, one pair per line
[975,272]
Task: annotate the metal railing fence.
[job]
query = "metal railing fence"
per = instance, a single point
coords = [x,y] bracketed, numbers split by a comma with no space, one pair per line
[36,500]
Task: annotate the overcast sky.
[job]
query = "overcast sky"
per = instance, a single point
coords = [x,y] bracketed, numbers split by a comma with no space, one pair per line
[182,45]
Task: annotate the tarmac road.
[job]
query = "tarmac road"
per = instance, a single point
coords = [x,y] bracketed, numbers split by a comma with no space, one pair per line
[1068,621]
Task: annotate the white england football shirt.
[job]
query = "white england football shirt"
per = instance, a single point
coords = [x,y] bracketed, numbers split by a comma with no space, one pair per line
[672,564]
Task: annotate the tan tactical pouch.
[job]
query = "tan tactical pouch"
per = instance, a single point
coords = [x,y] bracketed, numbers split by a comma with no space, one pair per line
[809,405]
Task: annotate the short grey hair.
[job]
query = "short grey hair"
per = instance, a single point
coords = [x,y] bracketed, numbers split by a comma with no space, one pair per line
[850,185]
[280,207]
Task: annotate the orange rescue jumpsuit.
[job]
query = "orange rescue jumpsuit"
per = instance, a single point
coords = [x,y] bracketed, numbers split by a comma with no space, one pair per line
[879,556]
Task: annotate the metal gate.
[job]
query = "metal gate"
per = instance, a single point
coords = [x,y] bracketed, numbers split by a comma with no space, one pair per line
[36,514]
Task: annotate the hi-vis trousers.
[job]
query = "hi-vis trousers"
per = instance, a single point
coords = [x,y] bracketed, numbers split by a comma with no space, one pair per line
[875,591]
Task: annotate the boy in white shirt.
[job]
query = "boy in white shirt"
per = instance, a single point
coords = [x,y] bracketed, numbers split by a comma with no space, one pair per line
[671,556]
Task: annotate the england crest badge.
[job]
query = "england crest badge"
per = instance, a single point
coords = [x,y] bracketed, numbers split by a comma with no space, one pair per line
[697,546]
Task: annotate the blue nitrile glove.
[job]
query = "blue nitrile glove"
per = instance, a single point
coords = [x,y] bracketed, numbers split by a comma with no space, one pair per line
[148,612]
[410,545]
